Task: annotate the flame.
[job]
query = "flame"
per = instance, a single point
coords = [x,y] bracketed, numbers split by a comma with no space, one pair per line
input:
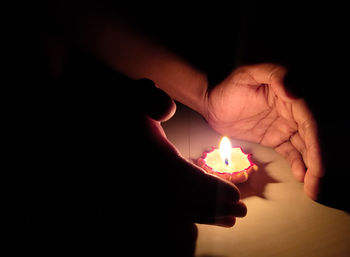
[225,150]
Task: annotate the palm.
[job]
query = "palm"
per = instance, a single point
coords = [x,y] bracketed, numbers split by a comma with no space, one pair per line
[252,104]
[246,109]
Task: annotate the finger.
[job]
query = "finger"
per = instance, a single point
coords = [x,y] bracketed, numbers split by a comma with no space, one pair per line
[273,75]
[217,195]
[239,177]
[207,196]
[155,102]
[264,72]
[312,185]
[307,128]
[237,210]
[220,221]
[294,157]
[277,82]
[225,221]
[226,193]
[299,144]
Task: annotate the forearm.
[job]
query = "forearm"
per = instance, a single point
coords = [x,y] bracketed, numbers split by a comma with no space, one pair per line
[136,56]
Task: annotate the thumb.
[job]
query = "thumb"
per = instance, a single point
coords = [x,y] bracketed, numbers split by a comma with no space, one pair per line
[275,76]
[154,101]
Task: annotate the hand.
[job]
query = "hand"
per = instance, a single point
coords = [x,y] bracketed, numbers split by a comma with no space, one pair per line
[253,104]
[202,197]
[140,182]
[168,191]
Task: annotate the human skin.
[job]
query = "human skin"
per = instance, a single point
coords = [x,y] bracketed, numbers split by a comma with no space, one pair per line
[251,99]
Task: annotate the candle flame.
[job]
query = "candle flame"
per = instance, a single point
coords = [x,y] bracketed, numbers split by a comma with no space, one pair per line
[225,150]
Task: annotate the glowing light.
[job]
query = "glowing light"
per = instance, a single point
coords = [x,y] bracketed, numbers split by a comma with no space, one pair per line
[225,150]
[228,162]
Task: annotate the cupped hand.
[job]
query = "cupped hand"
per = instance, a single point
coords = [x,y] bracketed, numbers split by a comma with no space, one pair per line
[139,181]
[201,197]
[253,104]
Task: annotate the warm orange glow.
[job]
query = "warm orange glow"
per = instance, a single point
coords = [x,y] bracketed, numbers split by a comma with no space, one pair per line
[225,150]
[228,162]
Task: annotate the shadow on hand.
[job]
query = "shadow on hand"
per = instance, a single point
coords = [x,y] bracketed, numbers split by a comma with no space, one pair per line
[257,182]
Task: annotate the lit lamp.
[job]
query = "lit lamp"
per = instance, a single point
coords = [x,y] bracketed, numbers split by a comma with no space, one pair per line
[228,162]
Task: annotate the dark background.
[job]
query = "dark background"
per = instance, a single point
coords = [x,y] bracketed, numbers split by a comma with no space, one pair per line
[310,39]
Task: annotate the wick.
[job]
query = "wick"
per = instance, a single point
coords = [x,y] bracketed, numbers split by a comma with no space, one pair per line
[226,161]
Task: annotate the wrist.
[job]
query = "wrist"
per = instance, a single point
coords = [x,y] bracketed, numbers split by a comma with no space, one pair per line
[200,101]
[186,85]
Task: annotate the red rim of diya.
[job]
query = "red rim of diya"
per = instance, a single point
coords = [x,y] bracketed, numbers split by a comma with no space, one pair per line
[237,176]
